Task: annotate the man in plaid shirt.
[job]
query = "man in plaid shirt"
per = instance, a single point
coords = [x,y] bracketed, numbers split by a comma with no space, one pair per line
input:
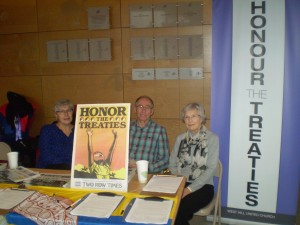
[148,140]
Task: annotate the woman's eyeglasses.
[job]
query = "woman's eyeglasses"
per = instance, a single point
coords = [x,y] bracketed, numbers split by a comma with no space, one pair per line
[193,117]
[65,111]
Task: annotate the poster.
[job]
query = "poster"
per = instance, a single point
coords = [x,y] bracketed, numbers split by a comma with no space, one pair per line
[100,149]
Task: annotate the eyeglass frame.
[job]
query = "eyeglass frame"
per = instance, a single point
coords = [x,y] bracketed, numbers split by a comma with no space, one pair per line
[193,117]
[146,108]
[64,111]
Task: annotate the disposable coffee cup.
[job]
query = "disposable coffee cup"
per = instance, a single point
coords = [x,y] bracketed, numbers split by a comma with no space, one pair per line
[142,170]
[12,159]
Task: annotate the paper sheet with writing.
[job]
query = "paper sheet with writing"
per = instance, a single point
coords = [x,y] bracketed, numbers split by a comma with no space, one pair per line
[21,174]
[95,205]
[9,198]
[149,212]
[163,184]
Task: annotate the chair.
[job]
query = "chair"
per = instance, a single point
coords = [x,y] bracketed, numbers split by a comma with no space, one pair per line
[216,201]
[4,149]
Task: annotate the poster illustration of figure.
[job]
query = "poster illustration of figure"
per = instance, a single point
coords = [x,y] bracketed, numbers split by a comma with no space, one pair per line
[100,148]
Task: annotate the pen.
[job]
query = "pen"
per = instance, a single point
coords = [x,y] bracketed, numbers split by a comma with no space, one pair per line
[74,203]
[127,207]
[154,198]
[55,199]
[106,194]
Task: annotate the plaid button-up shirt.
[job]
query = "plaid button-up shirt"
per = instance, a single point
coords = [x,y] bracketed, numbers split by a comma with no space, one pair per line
[149,143]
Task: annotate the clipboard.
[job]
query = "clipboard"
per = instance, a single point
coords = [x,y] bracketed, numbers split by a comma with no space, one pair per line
[98,205]
[149,210]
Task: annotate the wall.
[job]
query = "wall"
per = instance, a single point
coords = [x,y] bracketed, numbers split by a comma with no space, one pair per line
[27,25]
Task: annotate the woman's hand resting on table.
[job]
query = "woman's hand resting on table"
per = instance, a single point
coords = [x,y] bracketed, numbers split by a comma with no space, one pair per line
[185,192]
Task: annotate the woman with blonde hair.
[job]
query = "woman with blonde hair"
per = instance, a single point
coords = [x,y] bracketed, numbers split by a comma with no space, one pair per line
[56,139]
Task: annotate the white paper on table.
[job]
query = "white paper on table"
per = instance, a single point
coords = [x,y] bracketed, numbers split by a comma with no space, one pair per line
[95,205]
[149,211]
[9,198]
[163,184]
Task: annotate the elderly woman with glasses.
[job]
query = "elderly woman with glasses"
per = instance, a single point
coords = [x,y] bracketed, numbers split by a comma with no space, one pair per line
[195,156]
[56,139]
[147,139]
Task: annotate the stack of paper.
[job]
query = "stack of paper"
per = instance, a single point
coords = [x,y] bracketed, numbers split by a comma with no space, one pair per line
[21,174]
[3,166]
[163,184]
[97,205]
[149,211]
[50,180]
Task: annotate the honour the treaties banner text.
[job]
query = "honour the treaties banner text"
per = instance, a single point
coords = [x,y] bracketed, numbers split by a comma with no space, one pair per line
[100,149]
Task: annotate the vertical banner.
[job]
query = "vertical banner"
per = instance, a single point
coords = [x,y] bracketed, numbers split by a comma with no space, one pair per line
[256,104]
[255,107]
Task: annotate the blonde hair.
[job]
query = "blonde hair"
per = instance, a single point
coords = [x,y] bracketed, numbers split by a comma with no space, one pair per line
[63,102]
[194,105]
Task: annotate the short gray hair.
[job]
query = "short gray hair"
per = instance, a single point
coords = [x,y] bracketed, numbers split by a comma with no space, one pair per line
[63,102]
[194,105]
[145,97]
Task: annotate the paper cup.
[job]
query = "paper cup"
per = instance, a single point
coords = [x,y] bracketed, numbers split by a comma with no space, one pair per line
[12,159]
[142,170]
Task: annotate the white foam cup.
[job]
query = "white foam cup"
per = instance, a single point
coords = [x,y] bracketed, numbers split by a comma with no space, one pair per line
[12,159]
[142,170]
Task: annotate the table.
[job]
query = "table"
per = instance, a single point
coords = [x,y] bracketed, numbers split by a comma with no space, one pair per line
[134,190]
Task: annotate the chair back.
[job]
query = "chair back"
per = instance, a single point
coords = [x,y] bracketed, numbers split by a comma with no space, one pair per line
[215,204]
[4,149]
[219,174]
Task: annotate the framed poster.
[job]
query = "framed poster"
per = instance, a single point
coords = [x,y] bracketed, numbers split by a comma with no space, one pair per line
[100,148]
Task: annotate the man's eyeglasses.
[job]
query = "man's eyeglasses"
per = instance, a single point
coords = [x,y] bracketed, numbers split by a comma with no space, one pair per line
[146,107]
[193,117]
[65,111]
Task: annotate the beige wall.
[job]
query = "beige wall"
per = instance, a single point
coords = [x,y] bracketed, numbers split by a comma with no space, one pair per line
[27,25]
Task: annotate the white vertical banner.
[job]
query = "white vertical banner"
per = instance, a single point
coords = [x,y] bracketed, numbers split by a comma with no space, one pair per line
[256,104]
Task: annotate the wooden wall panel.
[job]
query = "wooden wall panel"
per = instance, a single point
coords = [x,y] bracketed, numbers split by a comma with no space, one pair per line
[128,63]
[165,95]
[19,54]
[125,22]
[18,16]
[27,25]
[81,89]
[58,15]
[207,94]
[89,67]
[61,15]
[173,129]
[114,8]
[207,12]
[207,47]
[191,91]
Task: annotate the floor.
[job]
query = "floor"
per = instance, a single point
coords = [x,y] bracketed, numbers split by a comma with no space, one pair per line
[198,220]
